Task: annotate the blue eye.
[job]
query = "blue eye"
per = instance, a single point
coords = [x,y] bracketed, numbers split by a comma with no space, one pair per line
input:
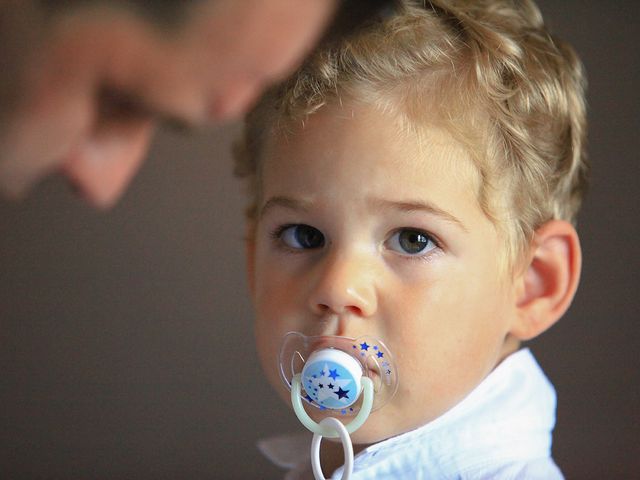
[411,242]
[301,237]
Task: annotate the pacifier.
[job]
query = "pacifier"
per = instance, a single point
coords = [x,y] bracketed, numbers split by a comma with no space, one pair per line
[347,376]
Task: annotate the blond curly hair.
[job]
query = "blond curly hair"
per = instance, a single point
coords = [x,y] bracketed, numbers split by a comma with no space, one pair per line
[498,81]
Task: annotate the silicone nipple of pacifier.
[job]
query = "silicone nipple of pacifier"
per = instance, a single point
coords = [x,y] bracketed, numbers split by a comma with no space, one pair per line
[332,379]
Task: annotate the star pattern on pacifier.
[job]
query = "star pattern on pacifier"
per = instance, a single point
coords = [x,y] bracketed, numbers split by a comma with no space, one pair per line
[331,371]
[327,384]
[363,349]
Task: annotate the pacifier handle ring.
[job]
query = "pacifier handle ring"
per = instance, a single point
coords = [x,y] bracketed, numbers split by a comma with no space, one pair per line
[315,427]
[336,425]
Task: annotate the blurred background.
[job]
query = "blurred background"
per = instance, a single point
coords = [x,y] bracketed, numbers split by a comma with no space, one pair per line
[126,347]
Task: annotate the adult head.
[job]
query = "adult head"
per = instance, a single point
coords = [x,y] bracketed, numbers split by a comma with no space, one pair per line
[84,83]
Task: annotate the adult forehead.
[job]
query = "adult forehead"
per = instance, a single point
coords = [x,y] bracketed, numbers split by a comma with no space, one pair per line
[158,9]
[349,13]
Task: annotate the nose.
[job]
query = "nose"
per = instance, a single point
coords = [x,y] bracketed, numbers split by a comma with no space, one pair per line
[102,164]
[345,285]
[235,99]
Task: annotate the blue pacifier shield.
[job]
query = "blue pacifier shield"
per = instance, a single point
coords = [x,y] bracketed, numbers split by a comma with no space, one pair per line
[332,379]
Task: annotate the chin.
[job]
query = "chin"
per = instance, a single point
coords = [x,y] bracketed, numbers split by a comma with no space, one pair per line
[377,428]
[381,424]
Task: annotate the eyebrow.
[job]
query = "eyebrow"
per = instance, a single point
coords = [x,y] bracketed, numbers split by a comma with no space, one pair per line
[284,202]
[419,206]
[403,206]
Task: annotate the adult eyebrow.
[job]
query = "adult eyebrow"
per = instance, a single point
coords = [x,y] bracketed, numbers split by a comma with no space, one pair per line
[419,206]
[288,203]
[116,104]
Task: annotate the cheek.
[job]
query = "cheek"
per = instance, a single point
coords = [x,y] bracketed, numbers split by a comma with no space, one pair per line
[273,300]
[275,295]
[268,338]
[450,336]
[279,286]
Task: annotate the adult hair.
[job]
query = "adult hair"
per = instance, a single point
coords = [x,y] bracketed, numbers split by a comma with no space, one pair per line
[488,71]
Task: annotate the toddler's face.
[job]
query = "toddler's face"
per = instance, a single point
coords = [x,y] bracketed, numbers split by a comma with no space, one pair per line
[362,230]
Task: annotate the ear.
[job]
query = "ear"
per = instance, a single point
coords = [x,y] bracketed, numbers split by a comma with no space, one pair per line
[549,280]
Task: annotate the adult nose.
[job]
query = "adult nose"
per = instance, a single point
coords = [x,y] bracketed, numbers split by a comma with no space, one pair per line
[101,165]
[345,286]
[234,100]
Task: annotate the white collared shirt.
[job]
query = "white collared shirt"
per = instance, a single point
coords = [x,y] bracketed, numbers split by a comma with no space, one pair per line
[501,430]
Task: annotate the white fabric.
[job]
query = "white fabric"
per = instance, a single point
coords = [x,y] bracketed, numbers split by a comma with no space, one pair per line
[501,430]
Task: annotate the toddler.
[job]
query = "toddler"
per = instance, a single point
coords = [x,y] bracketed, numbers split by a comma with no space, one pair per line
[418,184]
